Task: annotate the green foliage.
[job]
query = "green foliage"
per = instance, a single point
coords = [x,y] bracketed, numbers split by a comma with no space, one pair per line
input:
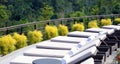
[105,22]
[78,27]
[50,32]
[21,9]
[21,40]
[116,8]
[77,14]
[32,10]
[34,36]
[63,30]
[93,24]
[7,44]
[46,13]
[117,20]
[95,10]
[4,14]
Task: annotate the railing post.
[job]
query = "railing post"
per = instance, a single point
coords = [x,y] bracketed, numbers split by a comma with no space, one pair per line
[48,23]
[21,30]
[6,26]
[68,24]
[35,26]
[65,22]
[61,22]
[74,21]
[6,32]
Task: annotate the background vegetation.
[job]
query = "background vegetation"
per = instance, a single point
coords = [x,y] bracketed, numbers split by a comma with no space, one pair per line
[23,11]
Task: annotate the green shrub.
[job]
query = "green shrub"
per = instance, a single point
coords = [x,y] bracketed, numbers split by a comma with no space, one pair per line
[50,32]
[93,24]
[21,40]
[105,22]
[78,27]
[63,30]
[117,20]
[34,36]
[7,44]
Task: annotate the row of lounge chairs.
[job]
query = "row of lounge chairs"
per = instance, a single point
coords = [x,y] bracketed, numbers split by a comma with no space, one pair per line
[90,47]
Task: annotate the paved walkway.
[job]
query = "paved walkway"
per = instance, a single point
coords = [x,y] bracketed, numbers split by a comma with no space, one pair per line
[6,59]
[111,59]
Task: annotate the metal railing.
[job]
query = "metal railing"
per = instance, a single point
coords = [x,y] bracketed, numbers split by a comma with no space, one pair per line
[41,24]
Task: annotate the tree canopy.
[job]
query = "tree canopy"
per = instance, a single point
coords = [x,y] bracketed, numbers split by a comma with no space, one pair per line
[30,10]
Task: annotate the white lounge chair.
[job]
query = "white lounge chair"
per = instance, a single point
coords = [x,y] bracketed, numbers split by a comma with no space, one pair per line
[112,45]
[84,34]
[99,35]
[106,31]
[70,60]
[55,52]
[82,55]
[81,41]
[116,27]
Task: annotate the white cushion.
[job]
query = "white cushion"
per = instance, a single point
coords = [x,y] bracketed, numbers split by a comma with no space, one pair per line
[116,27]
[96,30]
[55,45]
[45,52]
[108,31]
[78,33]
[81,41]
[99,35]
[68,39]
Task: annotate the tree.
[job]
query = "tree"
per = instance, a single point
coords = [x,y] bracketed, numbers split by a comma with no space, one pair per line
[46,13]
[22,9]
[43,9]
[94,10]
[4,14]
[77,14]
[116,8]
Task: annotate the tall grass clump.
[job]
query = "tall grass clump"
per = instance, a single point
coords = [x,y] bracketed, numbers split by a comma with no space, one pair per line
[63,30]
[93,24]
[34,36]
[105,22]
[50,32]
[20,39]
[7,44]
[117,21]
[78,27]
